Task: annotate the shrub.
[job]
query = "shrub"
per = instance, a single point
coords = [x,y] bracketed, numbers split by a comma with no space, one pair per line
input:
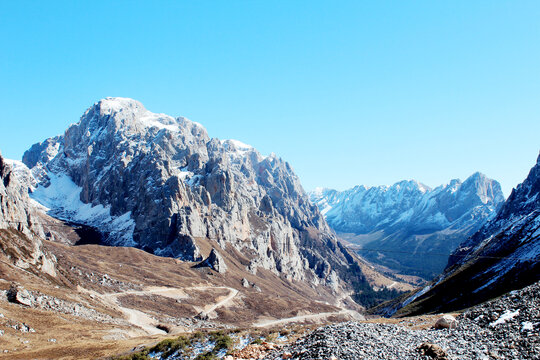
[136,356]
[207,356]
[257,341]
[162,346]
[223,342]
[199,335]
[170,346]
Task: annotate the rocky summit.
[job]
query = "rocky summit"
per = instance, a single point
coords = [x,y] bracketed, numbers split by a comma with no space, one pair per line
[408,226]
[163,185]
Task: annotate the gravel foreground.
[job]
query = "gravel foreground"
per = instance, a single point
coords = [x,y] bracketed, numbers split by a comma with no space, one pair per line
[505,328]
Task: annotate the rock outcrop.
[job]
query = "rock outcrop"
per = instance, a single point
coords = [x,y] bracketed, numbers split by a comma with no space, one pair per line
[396,225]
[446,322]
[15,212]
[19,295]
[20,229]
[162,184]
[215,261]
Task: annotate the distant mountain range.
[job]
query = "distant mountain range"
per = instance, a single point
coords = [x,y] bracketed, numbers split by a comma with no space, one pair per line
[408,226]
[503,255]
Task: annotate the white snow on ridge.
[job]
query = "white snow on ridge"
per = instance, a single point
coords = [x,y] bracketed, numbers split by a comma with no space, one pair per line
[326,209]
[240,145]
[22,173]
[145,117]
[62,197]
[160,121]
[239,148]
[417,295]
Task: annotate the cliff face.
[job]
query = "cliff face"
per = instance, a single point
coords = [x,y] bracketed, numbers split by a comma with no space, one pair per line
[408,226]
[162,184]
[503,255]
[20,229]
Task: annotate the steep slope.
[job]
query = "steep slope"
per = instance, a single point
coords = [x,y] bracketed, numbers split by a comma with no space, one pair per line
[408,226]
[20,229]
[503,255]
[92,301]
[163,185]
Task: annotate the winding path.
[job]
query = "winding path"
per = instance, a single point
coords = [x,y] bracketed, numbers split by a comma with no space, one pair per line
[318,316]
[145,321]
[225,301]
[353,314]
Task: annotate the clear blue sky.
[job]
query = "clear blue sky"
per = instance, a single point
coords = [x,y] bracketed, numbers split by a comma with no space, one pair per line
[348,92]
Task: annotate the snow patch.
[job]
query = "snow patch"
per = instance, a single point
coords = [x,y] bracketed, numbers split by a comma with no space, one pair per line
[184,174]
[160,121]
[416,296]
[508,314]
[239,149]
[62,199]
[22,173]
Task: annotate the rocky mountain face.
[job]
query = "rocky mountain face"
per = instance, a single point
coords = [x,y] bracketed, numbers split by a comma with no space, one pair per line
[20,228]
[409,226]
[163,185]
[503,255]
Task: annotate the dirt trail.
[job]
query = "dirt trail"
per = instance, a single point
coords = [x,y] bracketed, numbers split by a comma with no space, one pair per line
[145,321]
[319,316]
[173,293]
[353,314]
[233,292]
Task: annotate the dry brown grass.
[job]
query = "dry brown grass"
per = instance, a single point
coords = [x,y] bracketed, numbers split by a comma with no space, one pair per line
[81,269]
[157,305]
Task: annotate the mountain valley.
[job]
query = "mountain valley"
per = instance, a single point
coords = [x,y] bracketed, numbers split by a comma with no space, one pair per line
[136,235]
[135,226]
[503,255]
[408,226]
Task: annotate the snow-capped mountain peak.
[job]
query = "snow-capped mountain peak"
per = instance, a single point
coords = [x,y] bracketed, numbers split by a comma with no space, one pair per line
[410,216]
[162,184]
[504,254]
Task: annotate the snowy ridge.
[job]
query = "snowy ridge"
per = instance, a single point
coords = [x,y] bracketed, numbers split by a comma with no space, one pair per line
[409,219]
[504,254]
[409,203]
[238,149]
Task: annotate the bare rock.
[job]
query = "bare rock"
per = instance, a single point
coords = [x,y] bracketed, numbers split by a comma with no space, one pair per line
[23,246]
[216,262]
[202,316]
[19,295]
[446,322]
[245,283]
[433,351]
